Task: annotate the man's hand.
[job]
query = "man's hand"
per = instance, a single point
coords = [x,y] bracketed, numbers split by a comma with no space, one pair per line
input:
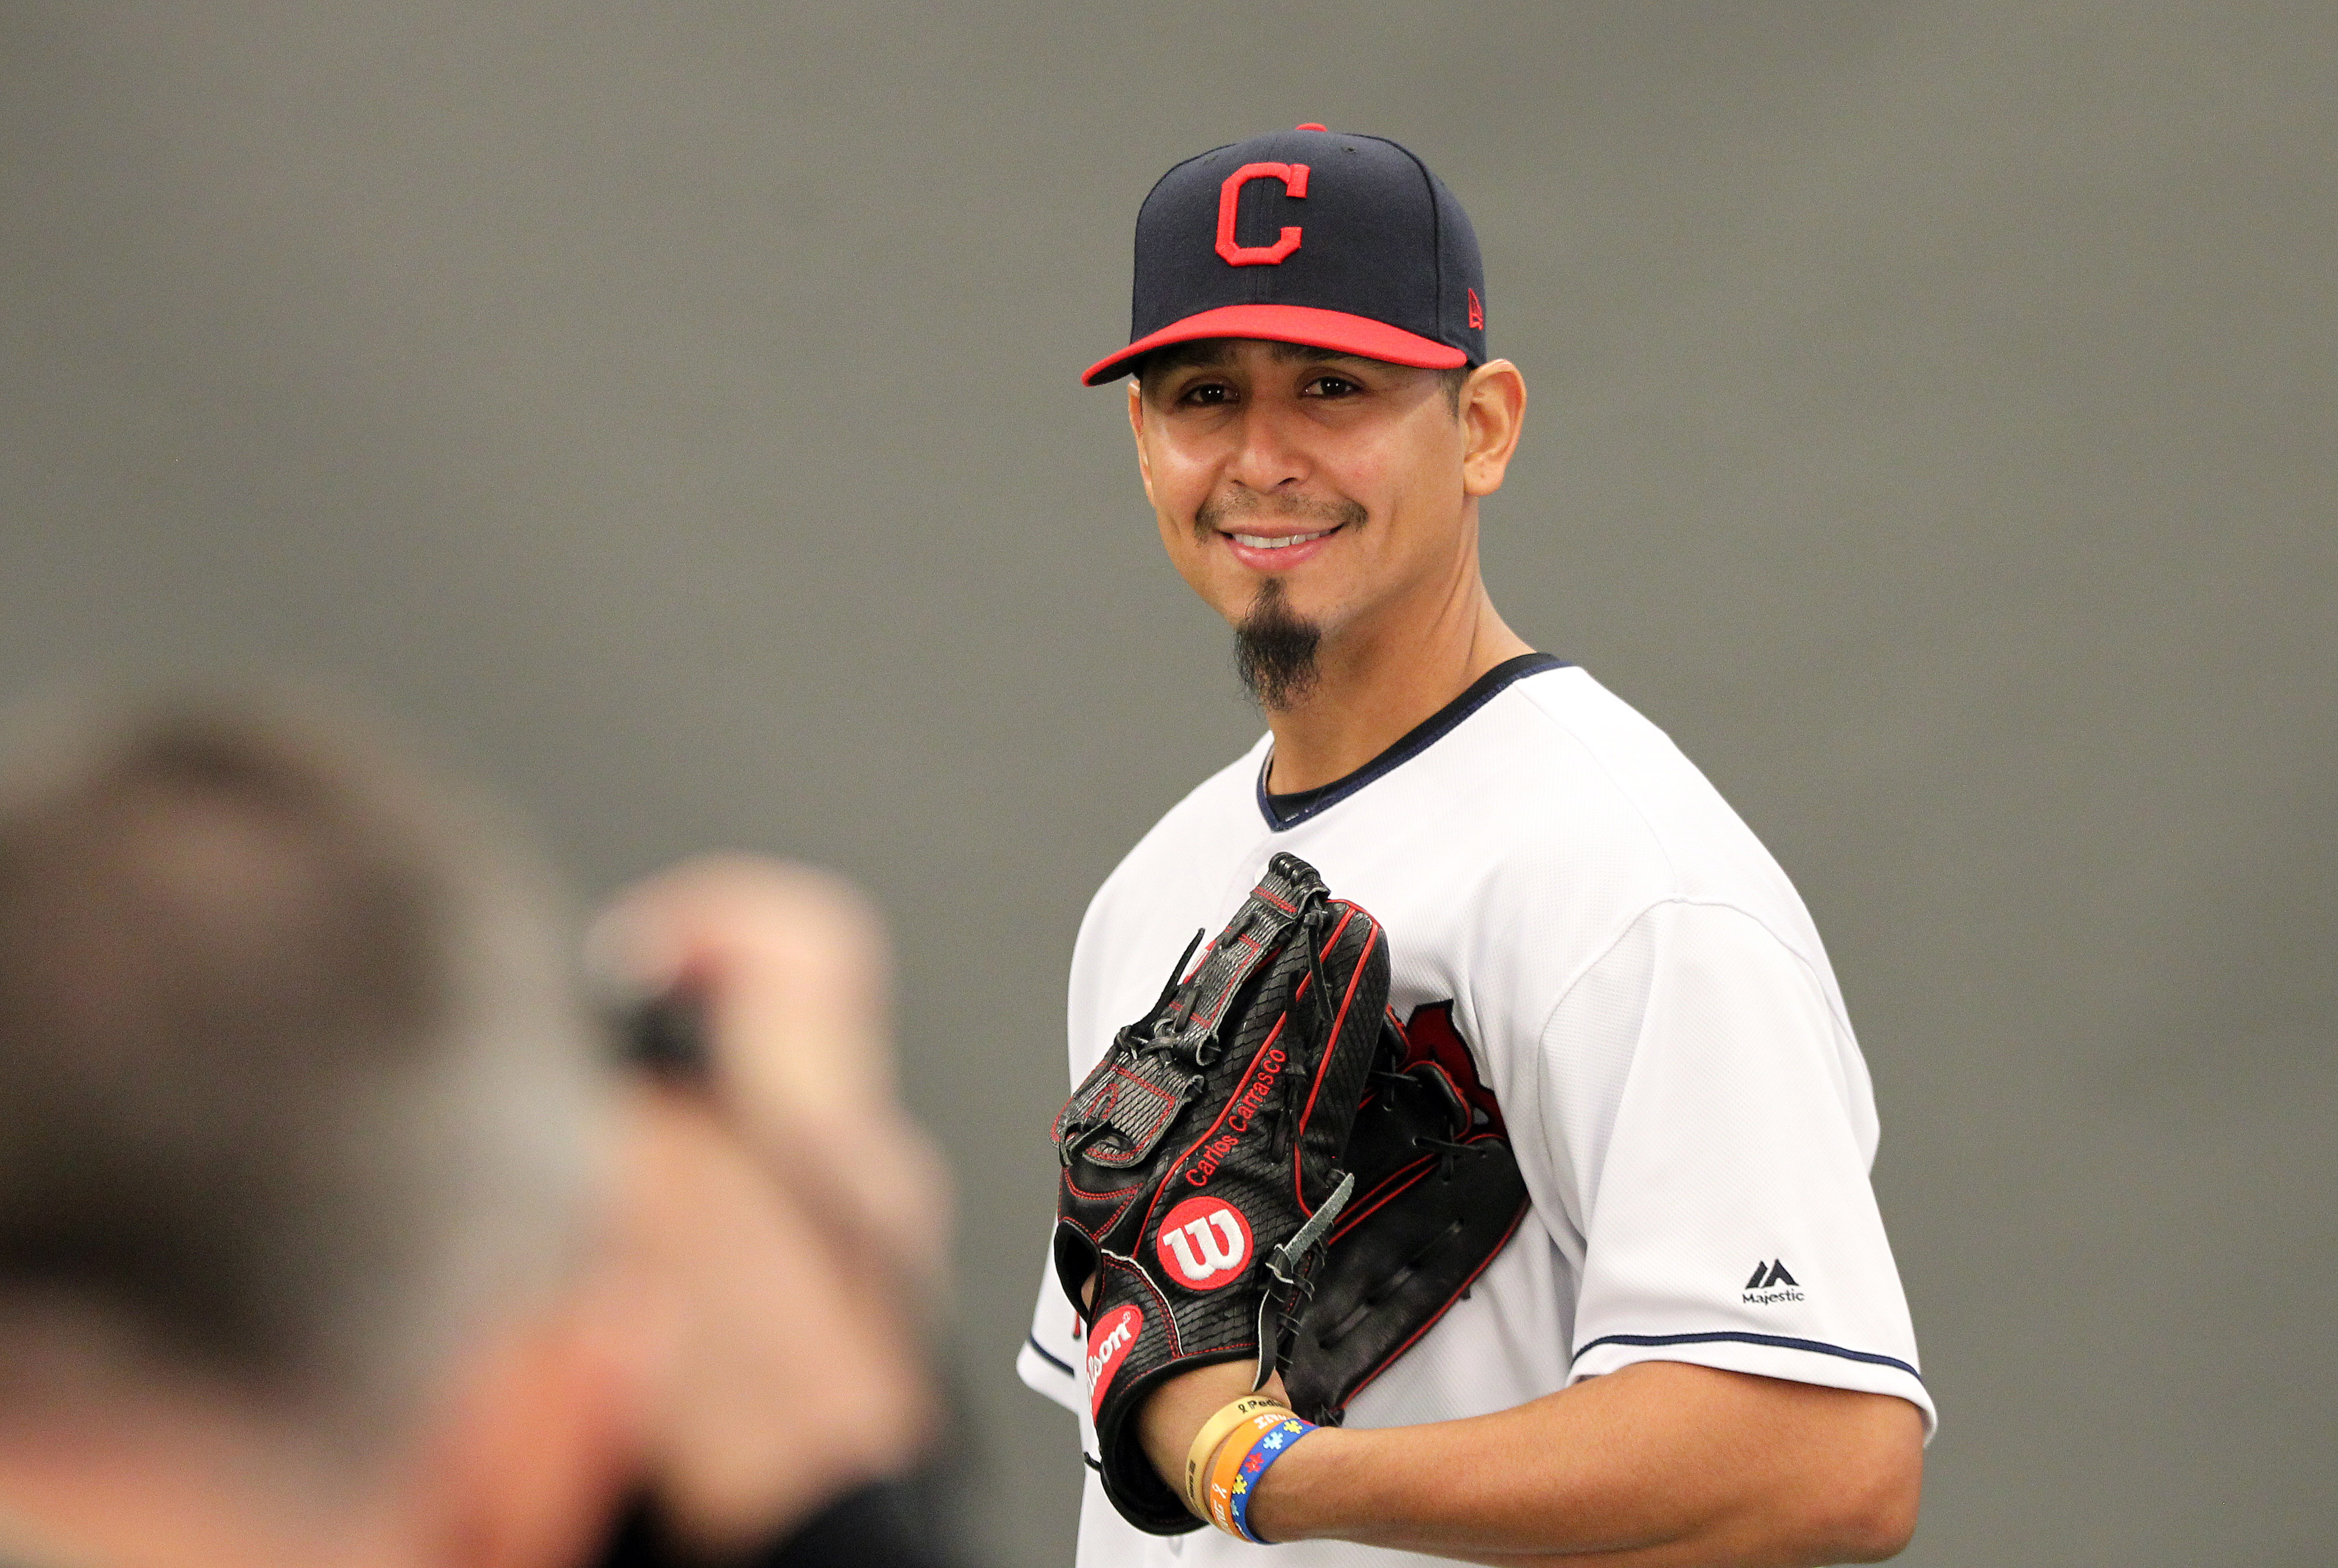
[1174,1416]
[1200,1161]
[794,1216]
[790,968]
[1662,1465]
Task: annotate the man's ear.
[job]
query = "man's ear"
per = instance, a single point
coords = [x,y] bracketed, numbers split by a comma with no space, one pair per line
[1493,412]
[541,1435]
[1137,428]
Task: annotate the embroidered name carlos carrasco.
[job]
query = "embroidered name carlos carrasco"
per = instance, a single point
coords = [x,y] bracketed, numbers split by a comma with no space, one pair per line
[1239,1115]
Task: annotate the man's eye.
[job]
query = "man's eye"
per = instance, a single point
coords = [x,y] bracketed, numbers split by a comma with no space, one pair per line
[1333,387]
[1208,395]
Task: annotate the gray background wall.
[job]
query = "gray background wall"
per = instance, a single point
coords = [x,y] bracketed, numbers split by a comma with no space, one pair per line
[671,410]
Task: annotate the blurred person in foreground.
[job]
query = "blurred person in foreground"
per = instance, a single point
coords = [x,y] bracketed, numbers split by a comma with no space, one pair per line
[328,1239]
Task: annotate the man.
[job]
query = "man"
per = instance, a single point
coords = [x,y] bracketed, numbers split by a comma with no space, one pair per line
[300,1137]
[327,1237]
[1317,421]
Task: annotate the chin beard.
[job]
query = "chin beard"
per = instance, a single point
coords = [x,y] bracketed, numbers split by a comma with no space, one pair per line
[1274,650]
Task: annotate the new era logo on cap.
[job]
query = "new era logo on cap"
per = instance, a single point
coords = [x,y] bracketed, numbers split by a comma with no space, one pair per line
[1307,236]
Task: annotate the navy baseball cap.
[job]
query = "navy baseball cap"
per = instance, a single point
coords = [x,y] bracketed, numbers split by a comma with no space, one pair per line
[1308,235]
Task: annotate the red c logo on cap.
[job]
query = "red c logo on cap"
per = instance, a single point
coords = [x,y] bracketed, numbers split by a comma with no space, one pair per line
[1294,185]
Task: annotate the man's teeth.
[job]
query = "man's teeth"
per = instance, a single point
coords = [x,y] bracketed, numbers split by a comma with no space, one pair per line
[1262,541]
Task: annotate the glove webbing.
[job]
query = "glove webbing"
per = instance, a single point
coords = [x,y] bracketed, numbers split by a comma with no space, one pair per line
[1289,892]
[1142,1094]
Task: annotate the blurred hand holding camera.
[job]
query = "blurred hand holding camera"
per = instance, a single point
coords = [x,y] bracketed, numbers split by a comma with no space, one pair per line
[792,1214]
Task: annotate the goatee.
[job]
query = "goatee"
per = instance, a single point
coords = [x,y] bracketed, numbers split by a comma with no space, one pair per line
[1274,650]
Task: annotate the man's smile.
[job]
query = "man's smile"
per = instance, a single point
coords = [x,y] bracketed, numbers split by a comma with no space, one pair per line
[1276,534]
[1282,552]
[1275,541]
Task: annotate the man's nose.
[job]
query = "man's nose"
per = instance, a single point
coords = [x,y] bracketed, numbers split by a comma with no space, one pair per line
[1268,454]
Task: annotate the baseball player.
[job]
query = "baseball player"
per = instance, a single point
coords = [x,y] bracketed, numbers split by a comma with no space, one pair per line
[1694,1347]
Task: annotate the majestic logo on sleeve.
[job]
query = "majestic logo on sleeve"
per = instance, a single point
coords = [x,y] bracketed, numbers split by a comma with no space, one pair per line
[1771,1283]
[1205,1243]
[1108,1345]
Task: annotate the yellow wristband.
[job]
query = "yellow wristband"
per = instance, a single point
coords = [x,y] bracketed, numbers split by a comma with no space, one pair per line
[1214,1432]
[1218,1498]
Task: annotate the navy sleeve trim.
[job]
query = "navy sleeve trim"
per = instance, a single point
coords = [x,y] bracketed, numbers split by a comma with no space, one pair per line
[1058,1362]
[1283,812]
[1780,1340]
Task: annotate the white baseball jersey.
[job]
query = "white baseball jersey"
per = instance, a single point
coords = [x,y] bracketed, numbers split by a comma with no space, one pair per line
[1644,993]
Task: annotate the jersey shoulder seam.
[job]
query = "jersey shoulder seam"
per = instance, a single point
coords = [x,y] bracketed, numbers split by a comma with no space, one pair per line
[1664,846]
[1624,929]
[1656,836]
[1801,959]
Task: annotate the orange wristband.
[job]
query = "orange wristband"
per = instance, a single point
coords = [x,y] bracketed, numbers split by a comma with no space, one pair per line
[1213,1434]
[1219,1499]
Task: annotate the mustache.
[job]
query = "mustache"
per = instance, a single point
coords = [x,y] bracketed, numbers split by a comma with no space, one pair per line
[1213,515]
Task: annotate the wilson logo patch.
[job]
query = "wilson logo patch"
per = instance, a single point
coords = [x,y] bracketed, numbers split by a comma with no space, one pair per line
[1206,1242]
[1108,1345]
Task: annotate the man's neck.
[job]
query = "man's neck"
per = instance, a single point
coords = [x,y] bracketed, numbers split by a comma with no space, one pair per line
[1375,684]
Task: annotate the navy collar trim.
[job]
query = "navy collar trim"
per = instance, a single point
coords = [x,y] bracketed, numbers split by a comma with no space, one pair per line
[1285,811]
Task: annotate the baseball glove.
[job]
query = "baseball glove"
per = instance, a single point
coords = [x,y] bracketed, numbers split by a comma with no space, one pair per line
[1199,1160]
[1437,1195]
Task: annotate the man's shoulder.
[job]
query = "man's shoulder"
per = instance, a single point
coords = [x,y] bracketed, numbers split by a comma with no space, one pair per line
[1172,881]
[1222,807]
[1554,765]
[1642,822]
[1213,825]
[1553,790]
[1557,809]
[1579,776]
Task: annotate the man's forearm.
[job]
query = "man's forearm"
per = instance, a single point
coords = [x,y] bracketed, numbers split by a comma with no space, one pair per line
[1659,1465]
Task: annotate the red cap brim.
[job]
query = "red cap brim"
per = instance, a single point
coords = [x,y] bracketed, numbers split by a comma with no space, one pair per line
[1358,335]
